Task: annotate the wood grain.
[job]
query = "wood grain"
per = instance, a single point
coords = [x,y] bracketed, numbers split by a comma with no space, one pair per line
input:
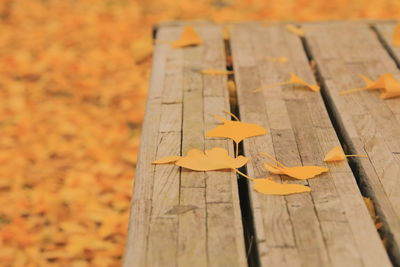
[369,124]
[181,217]
[329,226]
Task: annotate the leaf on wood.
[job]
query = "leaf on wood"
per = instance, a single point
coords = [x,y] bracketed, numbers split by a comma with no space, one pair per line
[167,160]
[387,84]
[216,72]
[337,154]
[279,59]
[268,187]
[396,35]
[214,159]
[232,93]
[294,79]
[189,37]
[226,33]
[378,225]
[297,172]
[235,130]
[371,207]
[295,30]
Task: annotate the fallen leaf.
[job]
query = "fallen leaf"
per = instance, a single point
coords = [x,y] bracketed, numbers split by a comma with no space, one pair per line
[295,30]
[189,37]
[392,87]
[294,79]
[236,130]
[166,160]
[297,172]
[216,72]
[279,59]
[268,187]
[337,154]
[378,225]
[386,83]
[396,35]
[232,93]
[214,159]
[226,33]
[371,207]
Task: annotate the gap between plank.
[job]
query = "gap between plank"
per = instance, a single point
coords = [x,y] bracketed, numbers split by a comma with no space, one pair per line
[348,148]
[250,239]
[385,45]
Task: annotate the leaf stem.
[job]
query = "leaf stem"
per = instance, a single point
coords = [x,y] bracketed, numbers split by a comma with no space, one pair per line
[270,86]
[345,92]
[274,159]
[244,175]
[233,115]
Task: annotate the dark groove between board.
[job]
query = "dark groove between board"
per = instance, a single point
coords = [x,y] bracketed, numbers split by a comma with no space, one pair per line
[250,240]
[385,45]
[354,163]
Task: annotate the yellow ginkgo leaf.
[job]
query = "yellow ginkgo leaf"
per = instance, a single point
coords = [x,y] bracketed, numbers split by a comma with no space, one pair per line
[386,83]
[279,59]
[337,154]
[268,187]
[189,37]
[226,32]
[304,172]
[166,160]
[294,79]
[216,72]
[236,130]
[396,35]
[297,172]
[295,30]
[392,87]
[214,159]
[273,169]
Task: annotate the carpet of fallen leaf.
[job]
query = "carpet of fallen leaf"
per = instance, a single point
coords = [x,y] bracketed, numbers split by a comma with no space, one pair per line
[73,81]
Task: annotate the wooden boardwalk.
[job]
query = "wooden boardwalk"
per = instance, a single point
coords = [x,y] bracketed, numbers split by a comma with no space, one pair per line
[183,218]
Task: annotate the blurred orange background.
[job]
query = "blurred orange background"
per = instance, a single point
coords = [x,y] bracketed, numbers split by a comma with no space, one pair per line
[73,81]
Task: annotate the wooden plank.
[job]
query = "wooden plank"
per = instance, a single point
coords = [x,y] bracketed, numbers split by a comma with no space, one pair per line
[189,218]
[342,51]
[329,226]
[137,240]
[210,235]
[385,33]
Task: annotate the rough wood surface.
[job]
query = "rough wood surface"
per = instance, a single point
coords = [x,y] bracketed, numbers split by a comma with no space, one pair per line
[369,124]
[185,218]
[180,217]
[329,226]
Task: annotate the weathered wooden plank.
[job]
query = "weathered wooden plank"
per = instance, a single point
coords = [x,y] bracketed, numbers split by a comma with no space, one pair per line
[385,31]
[137,240]
[224,219]
[163,236]
[184,218]
[214,227]
[369,124]
[331,225]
